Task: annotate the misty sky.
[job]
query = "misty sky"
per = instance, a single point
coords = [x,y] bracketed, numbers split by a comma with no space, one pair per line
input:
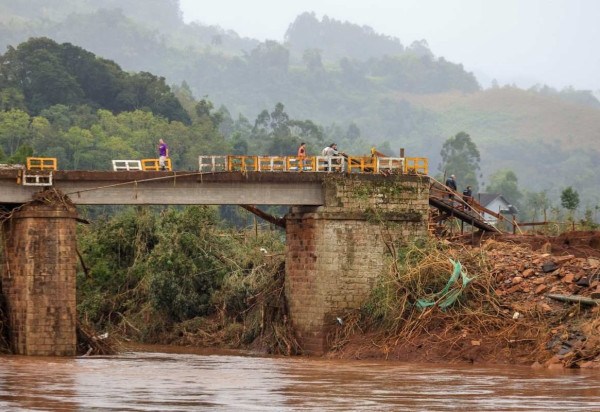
[514,41]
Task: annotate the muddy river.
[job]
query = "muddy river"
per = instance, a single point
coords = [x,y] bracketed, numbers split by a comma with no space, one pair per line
[157,379]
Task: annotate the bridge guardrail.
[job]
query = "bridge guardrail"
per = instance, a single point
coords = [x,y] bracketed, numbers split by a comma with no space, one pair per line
[127,165]
[362,164]
[327,164]
[296,164]
[330,163]
[242,163]
[390,165]
[154,164]
[212,164]
[416,165]
[41,163]
[271,163]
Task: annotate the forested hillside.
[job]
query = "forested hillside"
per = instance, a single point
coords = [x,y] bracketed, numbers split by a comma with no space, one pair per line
[346,82]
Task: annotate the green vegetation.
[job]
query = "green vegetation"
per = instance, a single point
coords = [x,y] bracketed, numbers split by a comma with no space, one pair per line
[188,273]
[41,73]
[460,157]
[569,199]
[506,183]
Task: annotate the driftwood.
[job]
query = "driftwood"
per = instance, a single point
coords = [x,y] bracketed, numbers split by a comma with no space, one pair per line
[575,299]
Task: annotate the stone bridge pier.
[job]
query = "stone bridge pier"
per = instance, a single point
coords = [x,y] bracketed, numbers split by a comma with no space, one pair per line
[335,252]
[38,279]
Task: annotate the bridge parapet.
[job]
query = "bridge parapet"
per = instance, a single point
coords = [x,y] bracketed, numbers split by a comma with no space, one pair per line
[336,252]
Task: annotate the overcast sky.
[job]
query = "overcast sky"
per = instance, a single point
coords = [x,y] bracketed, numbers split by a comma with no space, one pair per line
[556,42]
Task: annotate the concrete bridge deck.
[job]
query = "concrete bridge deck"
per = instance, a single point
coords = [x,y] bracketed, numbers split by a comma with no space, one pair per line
[175,188]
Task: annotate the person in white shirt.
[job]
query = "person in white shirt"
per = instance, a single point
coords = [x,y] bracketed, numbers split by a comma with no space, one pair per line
[330,150]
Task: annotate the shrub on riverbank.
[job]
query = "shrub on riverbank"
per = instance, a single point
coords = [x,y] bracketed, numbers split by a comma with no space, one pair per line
[181,276]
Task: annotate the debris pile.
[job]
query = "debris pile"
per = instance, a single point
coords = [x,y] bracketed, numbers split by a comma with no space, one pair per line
[533,300]
[563,290]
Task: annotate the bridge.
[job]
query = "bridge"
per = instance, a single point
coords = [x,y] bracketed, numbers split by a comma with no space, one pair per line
[338,231]
[173,188]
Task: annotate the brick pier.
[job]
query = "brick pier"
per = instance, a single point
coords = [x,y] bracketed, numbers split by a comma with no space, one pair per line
[335,252]
[38,279]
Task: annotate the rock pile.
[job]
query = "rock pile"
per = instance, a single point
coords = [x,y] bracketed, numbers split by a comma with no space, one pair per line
[562,290]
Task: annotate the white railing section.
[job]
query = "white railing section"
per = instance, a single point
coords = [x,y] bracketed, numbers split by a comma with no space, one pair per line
[330,163]
[126,165]
[212,164]
[37,179]
[390,164]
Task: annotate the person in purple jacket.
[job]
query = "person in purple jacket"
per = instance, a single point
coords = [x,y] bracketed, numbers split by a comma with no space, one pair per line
[163,154]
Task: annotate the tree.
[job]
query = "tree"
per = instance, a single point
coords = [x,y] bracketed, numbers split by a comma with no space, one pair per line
[276,134]
[21,154]
[44,73]
[14,130]
[353,132]
[460,157]
[270,57]
[569,199]
[146,91]
[312,60]
[506,183]
[537,202]
[205,112]
[280,121]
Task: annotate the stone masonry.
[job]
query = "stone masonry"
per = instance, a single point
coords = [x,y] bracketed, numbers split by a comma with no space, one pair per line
[38,279]
[335,252]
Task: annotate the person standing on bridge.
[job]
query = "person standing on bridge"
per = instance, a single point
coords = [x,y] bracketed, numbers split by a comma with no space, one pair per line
[467,195]
[163,154]
[301,156]
[332,151]
[451,183]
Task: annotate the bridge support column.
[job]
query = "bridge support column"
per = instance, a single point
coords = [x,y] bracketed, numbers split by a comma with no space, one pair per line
[336,252]
[38,279]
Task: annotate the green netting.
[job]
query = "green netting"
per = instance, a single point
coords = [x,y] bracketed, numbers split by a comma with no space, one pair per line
[453,289]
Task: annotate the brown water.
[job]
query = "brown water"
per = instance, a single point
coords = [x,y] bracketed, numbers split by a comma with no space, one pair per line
[157,381]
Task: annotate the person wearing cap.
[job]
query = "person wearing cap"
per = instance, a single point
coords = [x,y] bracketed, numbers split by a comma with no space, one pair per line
[451,183]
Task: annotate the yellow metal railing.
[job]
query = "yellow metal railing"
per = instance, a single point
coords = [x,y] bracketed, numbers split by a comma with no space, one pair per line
[416,165]
[41,163]
[351,164]
[271,163]
[154,164]
[242,163]
[362,164]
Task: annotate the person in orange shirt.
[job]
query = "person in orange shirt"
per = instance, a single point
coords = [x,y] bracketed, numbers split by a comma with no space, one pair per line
[301,156]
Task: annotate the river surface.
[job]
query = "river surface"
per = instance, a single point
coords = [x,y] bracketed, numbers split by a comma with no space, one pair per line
[155,380]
